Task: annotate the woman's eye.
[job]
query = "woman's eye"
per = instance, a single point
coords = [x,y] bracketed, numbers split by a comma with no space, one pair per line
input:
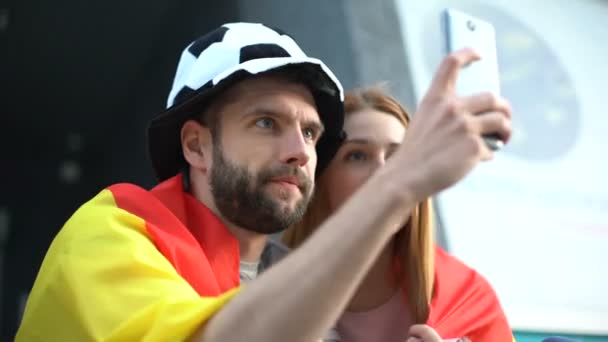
[265,123]
[356,156]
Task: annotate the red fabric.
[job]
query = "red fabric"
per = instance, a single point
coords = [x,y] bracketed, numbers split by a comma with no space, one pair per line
[464,304]
[187,233]
[204,253]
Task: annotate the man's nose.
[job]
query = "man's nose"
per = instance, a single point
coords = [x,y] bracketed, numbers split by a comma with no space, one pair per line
[295,149]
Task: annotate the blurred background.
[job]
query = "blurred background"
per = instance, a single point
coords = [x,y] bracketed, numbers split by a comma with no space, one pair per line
[80,79]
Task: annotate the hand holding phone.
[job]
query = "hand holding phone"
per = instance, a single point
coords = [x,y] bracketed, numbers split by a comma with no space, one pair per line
[465,31]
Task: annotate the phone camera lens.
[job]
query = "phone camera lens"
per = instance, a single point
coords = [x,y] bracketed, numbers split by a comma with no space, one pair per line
[471,25]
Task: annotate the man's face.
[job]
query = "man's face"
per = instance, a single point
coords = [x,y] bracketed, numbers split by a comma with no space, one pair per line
[264,157]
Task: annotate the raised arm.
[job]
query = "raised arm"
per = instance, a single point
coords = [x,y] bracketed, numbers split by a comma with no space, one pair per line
[303,296]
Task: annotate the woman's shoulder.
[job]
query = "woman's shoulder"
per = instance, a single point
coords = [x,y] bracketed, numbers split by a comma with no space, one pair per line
[462,295]
[453,273]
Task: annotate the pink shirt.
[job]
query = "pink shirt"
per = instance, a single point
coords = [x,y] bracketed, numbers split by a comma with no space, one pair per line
[387,323]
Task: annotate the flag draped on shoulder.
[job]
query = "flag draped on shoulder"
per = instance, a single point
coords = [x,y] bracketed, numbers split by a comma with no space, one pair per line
[133,265]
[465,305]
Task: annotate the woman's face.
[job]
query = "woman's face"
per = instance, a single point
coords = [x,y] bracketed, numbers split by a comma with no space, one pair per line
[372,137]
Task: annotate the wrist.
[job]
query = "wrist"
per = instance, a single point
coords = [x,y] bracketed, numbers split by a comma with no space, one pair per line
[404,188]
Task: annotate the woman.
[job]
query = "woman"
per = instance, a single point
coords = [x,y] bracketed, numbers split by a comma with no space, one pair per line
[413,282]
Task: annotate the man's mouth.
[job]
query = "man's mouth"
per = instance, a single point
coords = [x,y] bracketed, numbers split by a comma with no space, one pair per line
[287,180]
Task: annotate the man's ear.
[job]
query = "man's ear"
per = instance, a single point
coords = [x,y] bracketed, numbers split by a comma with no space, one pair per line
[196,145]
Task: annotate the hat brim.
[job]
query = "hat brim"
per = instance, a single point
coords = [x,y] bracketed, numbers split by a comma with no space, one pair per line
[164,142]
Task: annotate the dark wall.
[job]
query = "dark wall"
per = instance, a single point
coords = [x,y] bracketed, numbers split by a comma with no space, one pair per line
[79,80]
[320,27]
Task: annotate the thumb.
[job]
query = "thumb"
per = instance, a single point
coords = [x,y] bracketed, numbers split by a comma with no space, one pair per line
[424,333]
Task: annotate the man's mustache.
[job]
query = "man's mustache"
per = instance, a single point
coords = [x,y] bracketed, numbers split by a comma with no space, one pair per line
[305,183]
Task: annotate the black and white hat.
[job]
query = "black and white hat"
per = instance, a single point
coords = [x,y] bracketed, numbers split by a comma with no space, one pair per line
[227,55]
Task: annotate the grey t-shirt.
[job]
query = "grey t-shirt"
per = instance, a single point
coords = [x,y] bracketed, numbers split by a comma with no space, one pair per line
[248,271]
[273,252]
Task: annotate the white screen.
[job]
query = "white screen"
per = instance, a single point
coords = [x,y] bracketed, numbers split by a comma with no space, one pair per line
[535,220]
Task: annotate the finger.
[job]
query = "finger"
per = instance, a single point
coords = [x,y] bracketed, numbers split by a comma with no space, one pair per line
[485,102]
[413,339]
[447,74]
[494,123]
[424,332]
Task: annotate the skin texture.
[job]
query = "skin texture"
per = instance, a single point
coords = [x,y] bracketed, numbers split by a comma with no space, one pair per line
[373,137]
[444,142]
[255,168]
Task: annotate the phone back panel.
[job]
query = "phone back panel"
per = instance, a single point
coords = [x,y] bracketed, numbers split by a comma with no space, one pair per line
[465,31]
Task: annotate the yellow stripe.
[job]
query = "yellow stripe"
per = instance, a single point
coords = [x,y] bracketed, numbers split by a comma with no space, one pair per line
[104,280]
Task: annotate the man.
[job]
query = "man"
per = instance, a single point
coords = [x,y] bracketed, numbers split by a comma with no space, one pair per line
[250,119]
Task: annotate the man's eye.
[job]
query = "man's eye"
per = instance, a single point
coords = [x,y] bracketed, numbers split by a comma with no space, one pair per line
[356,156]
[266,123]
[310,133]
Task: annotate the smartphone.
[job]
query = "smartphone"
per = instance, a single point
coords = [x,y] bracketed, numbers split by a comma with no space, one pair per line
[465,31]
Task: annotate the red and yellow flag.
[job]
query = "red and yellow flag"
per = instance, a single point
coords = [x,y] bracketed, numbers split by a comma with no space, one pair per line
[125,268]
[465,305]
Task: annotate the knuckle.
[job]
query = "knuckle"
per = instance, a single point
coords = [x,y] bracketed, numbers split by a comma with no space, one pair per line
[463,124]
[507,108]
[452,107]
[493,100]
[502,123]
[506,128]
[505,123]
[452,60]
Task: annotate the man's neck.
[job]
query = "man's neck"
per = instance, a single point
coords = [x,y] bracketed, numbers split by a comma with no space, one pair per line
[251,244]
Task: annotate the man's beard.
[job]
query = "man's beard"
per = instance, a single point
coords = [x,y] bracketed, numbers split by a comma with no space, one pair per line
[240,197]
